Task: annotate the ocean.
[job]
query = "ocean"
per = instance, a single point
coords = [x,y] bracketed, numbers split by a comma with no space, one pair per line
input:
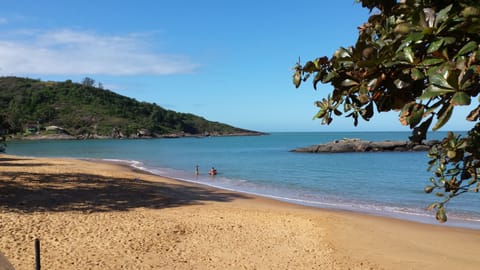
[387,184]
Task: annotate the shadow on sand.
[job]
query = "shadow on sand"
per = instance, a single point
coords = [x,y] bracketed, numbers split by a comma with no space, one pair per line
[29,192]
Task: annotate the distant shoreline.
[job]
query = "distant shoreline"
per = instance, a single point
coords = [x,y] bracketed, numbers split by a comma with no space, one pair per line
[98,137]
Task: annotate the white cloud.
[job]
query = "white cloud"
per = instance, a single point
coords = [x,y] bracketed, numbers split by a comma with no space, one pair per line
[67,52]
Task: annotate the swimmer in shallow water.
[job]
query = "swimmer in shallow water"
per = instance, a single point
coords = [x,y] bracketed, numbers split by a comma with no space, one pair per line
[212,171]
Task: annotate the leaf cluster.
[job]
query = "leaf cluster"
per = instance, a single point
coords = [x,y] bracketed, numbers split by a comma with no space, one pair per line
[418,57]
[456,166]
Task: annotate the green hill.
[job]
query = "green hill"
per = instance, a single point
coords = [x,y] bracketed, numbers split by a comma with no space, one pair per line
[33,107]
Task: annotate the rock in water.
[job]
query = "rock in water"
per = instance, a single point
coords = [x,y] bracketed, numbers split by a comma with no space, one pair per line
[358,145]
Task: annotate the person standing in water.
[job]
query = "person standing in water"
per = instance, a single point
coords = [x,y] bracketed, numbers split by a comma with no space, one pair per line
[212,171]
[196,170]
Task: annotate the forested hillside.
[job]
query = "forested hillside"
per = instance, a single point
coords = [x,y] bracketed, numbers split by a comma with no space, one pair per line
[32,107]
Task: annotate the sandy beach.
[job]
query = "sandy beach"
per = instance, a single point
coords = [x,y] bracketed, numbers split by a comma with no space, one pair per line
[97,215]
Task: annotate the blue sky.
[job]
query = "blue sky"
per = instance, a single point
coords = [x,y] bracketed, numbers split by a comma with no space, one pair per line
[228,61]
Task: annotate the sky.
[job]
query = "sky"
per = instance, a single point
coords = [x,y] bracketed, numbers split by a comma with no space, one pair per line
[227,61]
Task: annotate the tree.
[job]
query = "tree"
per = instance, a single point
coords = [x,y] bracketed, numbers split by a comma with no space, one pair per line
[88,82]
[421,58]
[4,127]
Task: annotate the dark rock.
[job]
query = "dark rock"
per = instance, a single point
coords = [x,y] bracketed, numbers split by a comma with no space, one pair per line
[420,147]
[431,142]
[357,145]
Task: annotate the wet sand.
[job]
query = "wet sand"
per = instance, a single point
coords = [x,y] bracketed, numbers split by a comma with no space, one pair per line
[98,215]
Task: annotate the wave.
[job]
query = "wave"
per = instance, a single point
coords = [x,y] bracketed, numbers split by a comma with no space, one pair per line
[334,203]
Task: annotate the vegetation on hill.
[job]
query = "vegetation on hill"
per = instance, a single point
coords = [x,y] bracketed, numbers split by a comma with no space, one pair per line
[35,107]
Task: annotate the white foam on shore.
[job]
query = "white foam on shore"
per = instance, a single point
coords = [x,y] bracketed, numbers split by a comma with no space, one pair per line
[244,186]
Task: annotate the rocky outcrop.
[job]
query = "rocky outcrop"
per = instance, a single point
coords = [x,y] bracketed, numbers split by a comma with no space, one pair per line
[357,145]
[116,134]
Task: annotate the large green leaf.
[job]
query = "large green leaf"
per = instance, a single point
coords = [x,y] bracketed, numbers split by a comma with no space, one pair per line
[440,81]
[420,133]
[466,80]
[435,46]
[443,118]
[474,114]
[309,67]
[429,189]
[416,74]
[442,15]
[412,38]
[349,83]
[432,61]
[330,75]
[320,62]
[469,47]
[441,216]
[367,112]
[321,113]
[461,98]
[416,115]
[453,78]
[372,84]
[343,53]
[434,91]
[408,54]
[448,40]
[318,78]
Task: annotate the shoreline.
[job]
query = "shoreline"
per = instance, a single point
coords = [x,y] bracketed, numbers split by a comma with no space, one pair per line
[65,136]
[101,215]
[393,212]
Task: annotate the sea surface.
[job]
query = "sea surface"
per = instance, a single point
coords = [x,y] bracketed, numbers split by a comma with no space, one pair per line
[387,184]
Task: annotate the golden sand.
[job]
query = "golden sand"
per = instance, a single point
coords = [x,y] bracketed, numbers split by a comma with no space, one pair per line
[94,215]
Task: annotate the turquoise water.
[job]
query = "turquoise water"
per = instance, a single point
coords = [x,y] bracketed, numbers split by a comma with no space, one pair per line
[388,184]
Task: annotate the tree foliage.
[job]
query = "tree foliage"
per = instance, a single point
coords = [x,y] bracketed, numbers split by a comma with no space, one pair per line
[421,58]
[89,82]
[87,111]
